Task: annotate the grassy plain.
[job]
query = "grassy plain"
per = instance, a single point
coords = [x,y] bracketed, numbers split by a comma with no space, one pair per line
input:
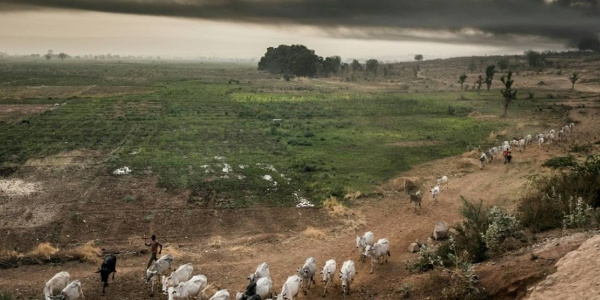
[209,128]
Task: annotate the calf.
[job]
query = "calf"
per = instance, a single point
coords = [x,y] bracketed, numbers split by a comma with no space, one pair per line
[72,291]
[159,268]
[183,273]
[435,192]
[290,288]
[307,273]
[377,252]
[362,241]
[328,271]
[540,142]
[188,289]
[109,265]
[56,284]
[482,159]
[416,199]
[346,276]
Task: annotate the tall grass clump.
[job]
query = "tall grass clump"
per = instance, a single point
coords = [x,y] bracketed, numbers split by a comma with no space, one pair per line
[551,202]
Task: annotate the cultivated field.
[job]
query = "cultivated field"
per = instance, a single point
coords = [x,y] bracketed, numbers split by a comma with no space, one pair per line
[219,179]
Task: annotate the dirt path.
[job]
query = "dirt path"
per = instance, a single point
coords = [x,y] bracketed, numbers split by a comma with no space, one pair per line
[227,245]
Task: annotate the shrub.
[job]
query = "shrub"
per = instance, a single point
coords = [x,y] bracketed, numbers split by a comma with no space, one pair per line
[469,234]
[579,214]
[546,206]
[6,296]
[501,226]
[561,162]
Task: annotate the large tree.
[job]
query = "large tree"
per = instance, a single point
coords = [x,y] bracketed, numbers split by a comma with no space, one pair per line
[489,75]
[419,57]
[295,60]
[535,59]
[508,94]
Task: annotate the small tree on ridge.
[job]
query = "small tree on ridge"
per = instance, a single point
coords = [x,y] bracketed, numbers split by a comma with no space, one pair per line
[508,93]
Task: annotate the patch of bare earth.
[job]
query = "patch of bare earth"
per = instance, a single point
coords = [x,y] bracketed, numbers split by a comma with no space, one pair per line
[13,112]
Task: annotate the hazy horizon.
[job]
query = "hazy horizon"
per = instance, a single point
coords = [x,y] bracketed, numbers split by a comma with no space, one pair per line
[244,29]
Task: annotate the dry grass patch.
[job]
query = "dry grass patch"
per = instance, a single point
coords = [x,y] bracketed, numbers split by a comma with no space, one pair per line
[352,219]
[43,251]
[173,250]
[352,196]
[216,242]
[243,250]
[87,252]
[313,233]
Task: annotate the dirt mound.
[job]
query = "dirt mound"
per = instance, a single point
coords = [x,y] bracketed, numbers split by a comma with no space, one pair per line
[576,276]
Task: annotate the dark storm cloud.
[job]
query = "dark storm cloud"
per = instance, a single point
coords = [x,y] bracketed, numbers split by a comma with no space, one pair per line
[471,20]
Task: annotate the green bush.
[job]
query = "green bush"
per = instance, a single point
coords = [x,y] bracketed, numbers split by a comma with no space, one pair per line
[579,215]
[501,226]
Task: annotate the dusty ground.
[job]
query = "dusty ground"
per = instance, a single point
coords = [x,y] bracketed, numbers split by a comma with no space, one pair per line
[73,204]
[576,277]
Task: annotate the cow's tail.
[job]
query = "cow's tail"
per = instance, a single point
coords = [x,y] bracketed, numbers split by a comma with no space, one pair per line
[388,253]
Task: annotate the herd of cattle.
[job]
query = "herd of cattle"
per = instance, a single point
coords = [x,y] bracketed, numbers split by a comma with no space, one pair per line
[181,284]
[521,143]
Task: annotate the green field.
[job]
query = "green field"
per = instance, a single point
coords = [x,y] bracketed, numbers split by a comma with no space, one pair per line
[209,128]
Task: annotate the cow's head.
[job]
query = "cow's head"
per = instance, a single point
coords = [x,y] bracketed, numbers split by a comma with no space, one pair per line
[368,251]
[344,279]
[358,239]
[326,274]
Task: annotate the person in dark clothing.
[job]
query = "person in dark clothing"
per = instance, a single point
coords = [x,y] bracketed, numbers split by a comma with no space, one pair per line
[155,247]
[509,157]
[506,153]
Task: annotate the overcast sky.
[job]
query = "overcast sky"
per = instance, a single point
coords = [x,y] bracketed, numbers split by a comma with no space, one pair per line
[389,30]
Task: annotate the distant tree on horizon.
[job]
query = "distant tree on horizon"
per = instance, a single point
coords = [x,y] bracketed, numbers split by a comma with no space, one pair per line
[62,56]
[535,59]
[573,78]
[507,93]
[296,60]
[503,64]
[419,57]
[371,66]
[48,56]
[472,66]
[489,75]
[356,65]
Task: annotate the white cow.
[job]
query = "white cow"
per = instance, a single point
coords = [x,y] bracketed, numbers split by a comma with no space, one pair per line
[362,241]
[328,273]
[540,141]
[72,291]
[377,252]
[159,268]
[552,131]
[443,181]
[261,271]
[188,289]
[307,273]
[347,276]
[521,144]
[56,284]
[571,125]
[528,139]
[482,159]
[220,295]
[290,288]
[436,191]
[183,273]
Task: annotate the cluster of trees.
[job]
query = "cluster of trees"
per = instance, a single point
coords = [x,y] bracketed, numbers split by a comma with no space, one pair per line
[51,54]
[298,60]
